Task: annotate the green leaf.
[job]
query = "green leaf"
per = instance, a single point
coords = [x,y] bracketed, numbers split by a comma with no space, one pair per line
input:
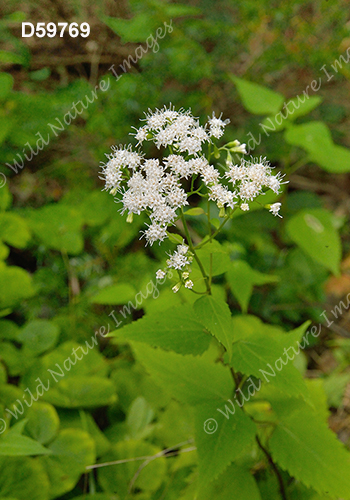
[6,84]
[117,478]
[215,315]
[311,136]
[140,415]
[121,293]
[137,29]
[334,159]
[72,451]
[194,211]
[188,379]
[82,392]
[23,479]
[313,230]
[305,447]
[38,336]
[175,238]
[259,351]
[42,422]
[176,329]
[220,258]
[10,58]
[14,444]
[241,278]
[299,108]
[15,285]
[236,479]
[257,99]
[216,450]
[14,230]
[5,198]
[58,227]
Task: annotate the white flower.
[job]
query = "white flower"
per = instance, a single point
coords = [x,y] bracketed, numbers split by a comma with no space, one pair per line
[179,260]
[244,206]
[160,274]
[189,284]
[275,209]
[155,232]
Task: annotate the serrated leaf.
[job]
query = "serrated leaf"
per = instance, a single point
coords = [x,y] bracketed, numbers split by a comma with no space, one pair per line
[176,329]
[237,479]
[215,315]
[188,379]
[259,351]
[305,447]
[220,439]
[258,99]
[313,230]
[121,293]
[241,278]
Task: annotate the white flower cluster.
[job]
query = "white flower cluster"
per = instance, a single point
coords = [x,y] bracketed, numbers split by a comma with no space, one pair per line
[181,261]
[250,177]
[157,189]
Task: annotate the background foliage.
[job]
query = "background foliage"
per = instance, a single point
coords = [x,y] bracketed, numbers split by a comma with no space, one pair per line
[69,260]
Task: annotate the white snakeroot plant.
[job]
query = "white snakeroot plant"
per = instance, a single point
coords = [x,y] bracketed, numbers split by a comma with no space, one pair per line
[163,188]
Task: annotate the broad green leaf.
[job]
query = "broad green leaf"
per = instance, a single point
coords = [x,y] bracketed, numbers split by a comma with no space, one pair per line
[23,478]
[72,451]
[117,478]
[305,447]
[236,479]
[6,84]
[335,385]
[42,422]
[215,315]
[313,230]
[15,285]
[8,329]
[220,438]
[38,336]
[121,293]
[258,99]
[176,329]
[188,379]
[311,136]
[14,444]
[259,351]
[11,57]
[241,278]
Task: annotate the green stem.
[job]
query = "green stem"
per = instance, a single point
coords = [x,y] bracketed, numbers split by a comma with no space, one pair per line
[200,245]
[190,244]
[274,467]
